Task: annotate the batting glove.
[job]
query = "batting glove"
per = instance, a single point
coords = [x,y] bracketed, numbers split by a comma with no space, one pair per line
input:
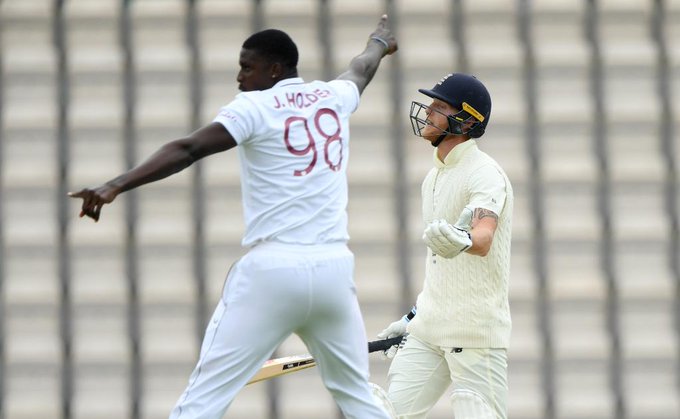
[396,329]
[448,240]
[390,353]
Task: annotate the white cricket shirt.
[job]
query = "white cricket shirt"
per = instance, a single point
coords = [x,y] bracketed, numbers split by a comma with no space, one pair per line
[293,142]
[464,301]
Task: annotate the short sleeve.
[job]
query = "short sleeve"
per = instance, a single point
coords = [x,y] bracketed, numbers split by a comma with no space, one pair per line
[488,189]
[239,118]
[348,92]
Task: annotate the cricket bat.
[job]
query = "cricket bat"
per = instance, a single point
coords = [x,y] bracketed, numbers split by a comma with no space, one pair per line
[280,366]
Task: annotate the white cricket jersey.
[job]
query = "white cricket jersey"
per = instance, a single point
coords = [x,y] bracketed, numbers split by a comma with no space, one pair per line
[464,301]
[294,148]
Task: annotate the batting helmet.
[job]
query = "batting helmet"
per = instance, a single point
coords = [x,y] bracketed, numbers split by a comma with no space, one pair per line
[467,94]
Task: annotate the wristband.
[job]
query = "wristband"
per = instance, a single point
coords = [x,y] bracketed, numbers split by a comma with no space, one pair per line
[411,314]
[382,41]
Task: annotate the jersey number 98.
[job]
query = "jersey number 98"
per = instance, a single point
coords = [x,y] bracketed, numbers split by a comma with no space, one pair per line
[298,122]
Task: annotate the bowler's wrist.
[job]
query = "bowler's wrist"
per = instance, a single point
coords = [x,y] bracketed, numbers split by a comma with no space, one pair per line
[374,39]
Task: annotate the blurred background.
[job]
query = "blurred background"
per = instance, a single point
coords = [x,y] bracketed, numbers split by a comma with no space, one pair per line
[104,320]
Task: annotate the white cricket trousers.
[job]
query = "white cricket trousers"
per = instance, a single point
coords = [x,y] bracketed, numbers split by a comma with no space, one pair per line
[273,291]
[420,373]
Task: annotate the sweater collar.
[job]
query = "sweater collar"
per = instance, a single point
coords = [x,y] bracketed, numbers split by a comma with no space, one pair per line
[455,155]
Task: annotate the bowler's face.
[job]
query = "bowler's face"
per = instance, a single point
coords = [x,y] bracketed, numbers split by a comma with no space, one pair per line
[256,72]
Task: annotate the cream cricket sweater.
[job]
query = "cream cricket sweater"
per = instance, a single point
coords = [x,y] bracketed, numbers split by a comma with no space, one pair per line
[464,301]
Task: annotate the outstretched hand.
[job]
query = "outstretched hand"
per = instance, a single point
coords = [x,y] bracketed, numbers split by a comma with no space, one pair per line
[383,33]
[94,200]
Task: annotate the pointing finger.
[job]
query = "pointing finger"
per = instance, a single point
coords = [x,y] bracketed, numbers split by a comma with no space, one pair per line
[382,24]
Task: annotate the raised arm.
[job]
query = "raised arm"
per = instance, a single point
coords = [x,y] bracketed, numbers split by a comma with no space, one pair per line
[169,159]
[362,68]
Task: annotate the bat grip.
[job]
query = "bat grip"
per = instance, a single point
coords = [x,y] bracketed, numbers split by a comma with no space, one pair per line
[383,345]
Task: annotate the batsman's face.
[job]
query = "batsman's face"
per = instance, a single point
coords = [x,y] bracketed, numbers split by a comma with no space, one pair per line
[437,121]
[256,72]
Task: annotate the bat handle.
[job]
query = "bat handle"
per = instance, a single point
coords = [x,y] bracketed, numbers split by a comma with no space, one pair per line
[383,345]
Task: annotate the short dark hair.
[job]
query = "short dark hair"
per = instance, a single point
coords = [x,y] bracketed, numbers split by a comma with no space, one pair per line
[274,45]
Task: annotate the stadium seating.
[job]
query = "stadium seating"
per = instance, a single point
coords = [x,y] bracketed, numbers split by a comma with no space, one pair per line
[577,290]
